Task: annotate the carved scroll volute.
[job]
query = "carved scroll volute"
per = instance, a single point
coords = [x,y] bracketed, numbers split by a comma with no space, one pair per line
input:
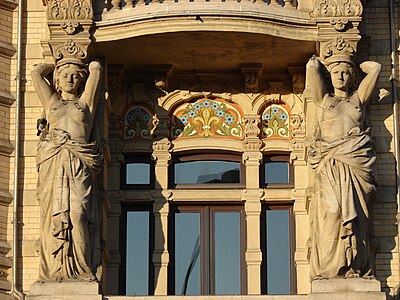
[338,46]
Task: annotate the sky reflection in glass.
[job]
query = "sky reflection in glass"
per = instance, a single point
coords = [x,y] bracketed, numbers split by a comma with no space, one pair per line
[138,173]
[277,172]
[137,253]
[197,172]
[278,254]
[187,254]
[227,253]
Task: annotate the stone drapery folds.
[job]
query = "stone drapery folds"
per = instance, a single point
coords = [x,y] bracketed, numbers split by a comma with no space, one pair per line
[341,157]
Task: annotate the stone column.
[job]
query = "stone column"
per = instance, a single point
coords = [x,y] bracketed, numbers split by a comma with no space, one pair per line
[252,196]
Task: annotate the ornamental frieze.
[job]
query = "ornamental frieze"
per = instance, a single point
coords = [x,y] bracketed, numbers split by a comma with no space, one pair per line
[337,8]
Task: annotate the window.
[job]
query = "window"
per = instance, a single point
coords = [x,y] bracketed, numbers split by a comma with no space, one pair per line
[278,276]
[201,237]
[208,170]
[136,277]
[276,171]
[138,172]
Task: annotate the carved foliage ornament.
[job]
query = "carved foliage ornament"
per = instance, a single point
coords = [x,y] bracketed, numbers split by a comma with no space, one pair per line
[69,13]
[337,8]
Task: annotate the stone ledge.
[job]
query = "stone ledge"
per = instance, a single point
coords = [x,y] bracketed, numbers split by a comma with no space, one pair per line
[5,98]
[68,288]
[5,199]
[6,147]
[339,285]
[8,4]
[7,49]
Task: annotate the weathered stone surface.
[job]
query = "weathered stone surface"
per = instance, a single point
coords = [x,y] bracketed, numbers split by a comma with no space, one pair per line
[345,285]
[72,290]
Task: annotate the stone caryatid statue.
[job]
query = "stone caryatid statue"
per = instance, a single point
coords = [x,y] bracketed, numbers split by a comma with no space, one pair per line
[341,156]
[68,159]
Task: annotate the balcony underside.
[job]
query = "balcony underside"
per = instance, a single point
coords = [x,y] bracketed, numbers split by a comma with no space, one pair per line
[207,50]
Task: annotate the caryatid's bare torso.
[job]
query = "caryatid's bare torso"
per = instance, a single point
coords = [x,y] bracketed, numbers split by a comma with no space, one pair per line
[72,116]
[339,117]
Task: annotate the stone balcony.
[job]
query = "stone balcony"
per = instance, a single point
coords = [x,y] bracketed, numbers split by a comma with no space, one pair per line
[118,19]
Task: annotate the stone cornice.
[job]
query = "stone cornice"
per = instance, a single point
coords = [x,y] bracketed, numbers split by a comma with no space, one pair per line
[6,99]
[7,49]
[8,4]
[5,199]
[6,147]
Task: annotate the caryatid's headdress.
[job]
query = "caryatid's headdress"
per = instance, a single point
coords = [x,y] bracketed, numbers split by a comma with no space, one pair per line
[69,53]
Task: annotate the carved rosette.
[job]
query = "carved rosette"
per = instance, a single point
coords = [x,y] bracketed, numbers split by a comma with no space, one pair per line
[337,8]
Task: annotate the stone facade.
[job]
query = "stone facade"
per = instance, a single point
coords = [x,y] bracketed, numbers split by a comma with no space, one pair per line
[160,57]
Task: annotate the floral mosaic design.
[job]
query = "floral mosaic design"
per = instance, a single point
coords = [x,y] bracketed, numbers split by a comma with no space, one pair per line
[275,122]
[137,123]
[207,118]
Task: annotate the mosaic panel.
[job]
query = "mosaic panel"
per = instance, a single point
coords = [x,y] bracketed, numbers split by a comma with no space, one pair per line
[138,123]
[275,122]
[207,118]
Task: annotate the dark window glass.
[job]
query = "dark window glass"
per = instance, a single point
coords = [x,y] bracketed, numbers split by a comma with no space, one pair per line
[187,253]
[199,172]
[276,172]
[227,253]
[277,267]
[207,253]
[138,173]
[278,252]
[137,253]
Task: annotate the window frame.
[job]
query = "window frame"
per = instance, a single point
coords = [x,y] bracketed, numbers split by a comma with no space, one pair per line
[207,157]
[292,246]
[276,157]
[207,249]
[142,207]
[137,158]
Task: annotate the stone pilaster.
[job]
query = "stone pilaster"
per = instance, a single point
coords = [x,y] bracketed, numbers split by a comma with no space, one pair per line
[252,197]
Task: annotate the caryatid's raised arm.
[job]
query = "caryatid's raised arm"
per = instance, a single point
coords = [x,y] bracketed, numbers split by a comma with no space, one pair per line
[314,77]
[42,87]
[92,88]
[367,85]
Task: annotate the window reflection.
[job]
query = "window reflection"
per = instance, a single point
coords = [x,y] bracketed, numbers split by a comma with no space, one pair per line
[276,172]
[278,252]
[227,253]
[138,173]
[200,172]
[137,253]
[187,253]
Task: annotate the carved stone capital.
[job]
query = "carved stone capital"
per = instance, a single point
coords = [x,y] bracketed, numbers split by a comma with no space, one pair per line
[69,51]
[336,8]
[69,13]
[338,46]
[251,126]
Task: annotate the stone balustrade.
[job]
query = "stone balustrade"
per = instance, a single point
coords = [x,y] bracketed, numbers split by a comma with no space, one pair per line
[113,5]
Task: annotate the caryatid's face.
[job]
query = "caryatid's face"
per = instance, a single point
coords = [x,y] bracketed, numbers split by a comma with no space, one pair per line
[341,76]
[69,79]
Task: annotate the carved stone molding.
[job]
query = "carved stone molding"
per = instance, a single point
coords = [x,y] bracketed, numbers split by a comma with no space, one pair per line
[251,74]
[251,126]
[339,45]
[69,13]
[337,8]
[68,9]
[69,50]
[6,99]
